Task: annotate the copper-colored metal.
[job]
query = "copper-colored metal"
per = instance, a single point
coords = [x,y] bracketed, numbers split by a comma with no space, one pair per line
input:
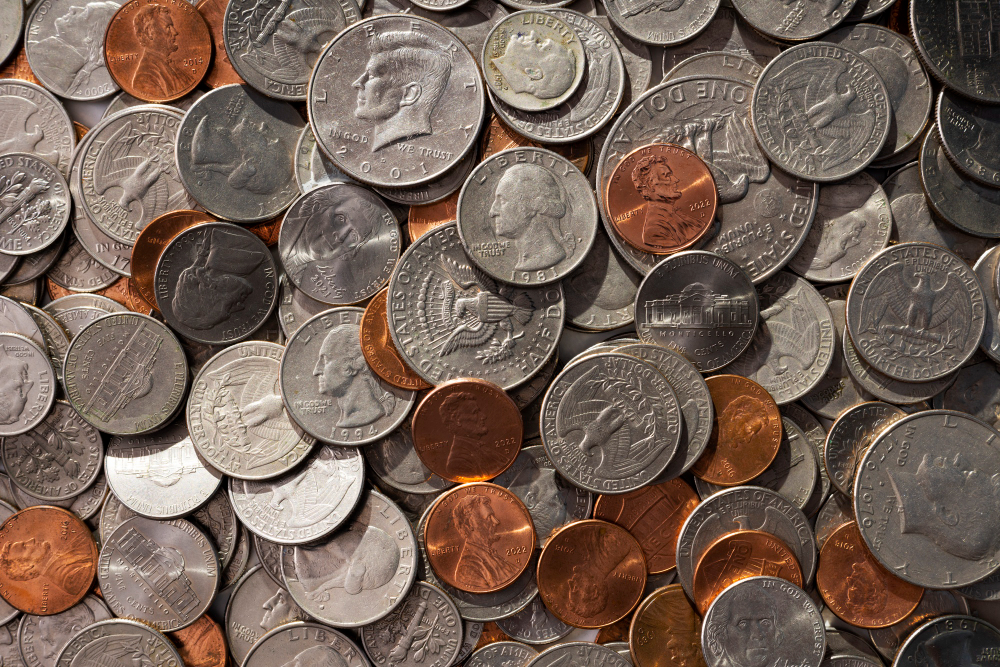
[666,631]
[135,301]
[150,244]
[221,73]
[18,68]
[654,515]
[201,644]
[467,430]
[591,573]
[616,632]
[740,555]
[116,292]
[746,433]
[661,199]
[80,129]
[499,137]
[479,537]
[491,635]
[48,560]
[856,587]
[425,217]
[379,350]
[268,230]
[157,50]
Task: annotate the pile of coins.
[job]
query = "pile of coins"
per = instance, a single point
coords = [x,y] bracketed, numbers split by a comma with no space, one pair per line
[427,333]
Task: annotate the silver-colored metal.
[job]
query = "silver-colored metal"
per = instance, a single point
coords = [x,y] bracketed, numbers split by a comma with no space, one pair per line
[257,606]
[72,301]
[579,654]
[851,436]
[932,604]
[661,22]
[295,307]
[34,204]
[472,632]
[123,101]
[56,338]
[358,112]
[32,267]
[976,391]
[502,654]
[717,63]
[269,555]
[75,320]
[35,122]
[425,630]
[40,639]
[217,520]
[11,24]
[428,193]
[969,134]
[794,21]
[27,384]
[239,560]
[394,461]
[600,292]
[966,204]
[78,271]
[535,624]
[955,639]
[887,388]
[108,252]
[835,512]
[726,32]
[312,169]
[7,612]
[305,644]
[866,9]
[139,641]
[14,318]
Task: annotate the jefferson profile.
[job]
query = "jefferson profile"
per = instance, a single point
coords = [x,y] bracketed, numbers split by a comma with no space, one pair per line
[747,634]
[14,387]
[71,56]
[156,73]
[342,372]
[537,66]
[480,565]
[403,82]
[666,225]
[24,560]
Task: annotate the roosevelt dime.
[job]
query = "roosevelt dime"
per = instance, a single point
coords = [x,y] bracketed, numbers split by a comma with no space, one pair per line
[35,122]
[27,379]
[36,204]
[428,618]
[535,624]
[970,133]
[93,642]
[968,205]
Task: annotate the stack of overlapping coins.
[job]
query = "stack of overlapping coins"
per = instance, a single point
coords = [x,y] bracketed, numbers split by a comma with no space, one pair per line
[421,333]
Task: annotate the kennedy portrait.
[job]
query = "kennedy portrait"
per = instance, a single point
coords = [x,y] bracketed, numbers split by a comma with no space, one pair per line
[25,560]
[156,73]
[356,560]
[342,373]
[537,66]
[14,387]
[666,225]
[71,59]
[405,78]
[746,633]
[480,564]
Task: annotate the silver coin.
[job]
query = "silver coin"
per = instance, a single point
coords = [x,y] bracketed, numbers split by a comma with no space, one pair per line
[113,514]
[26,384]
[78,271]
[70,301]
[717,63]
[976,391]
[123,101]
[8,495]
[472,632]
[693,297]
[14,318]
[622,649]
[359,575]
[886,388]
[610,423]
[579,654]
[916,312]
[866,9]
[339,243]
[274,45]
[489,330]
[257,606]
[12,20]
[836,511]
[218,521]
[359,127]
[160,476]
[235,153]
[535,624]
[726,32]
[952,639]
[216,283]
[171,562]
[853,222]
[932,604]
[30,268]
[312,169]
[851,436]
[435,191]
[305,644]
[763,618]
[269,555]
[84,506]
[794,21]
[55,337]
[968,132]
[964,203]
[236,417]
[295,307]
[394,461]
[239,561]
[125,374]
[804,136]
[8,266]
[35,204]
[502,654]
[600,292]
[75,320]
[924,499]
[661,22]
[744,508]
[40,639]
[35,122]
[425,629]
[814,434]
[413,505]
[551,502]
[131,639]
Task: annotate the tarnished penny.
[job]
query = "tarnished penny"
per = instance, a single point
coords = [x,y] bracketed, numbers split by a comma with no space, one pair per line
[157,50]
[151,242]
[666,631]
[740,555]
[47,562]
[201,644]
[479,537]
[856,587]
[379,350]
[653,515]
[221,73]
[661,199]
[467,430]
[746,433]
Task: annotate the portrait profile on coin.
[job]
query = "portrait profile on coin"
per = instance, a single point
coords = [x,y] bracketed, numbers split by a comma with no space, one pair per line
[355,560]
[317,656]
[537,66]
[748,634]
[70,58]
[14,387]
[590,585]
[741,420]
[480,563]
[342,372]
[156,71]
[54,631]
[248,155]
[539,489]
[406,75]
[279,609]
[24,560]
[665,224]
[467,424]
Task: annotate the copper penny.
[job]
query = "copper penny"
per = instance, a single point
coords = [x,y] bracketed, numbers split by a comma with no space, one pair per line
[666,631]
[467,430]
[745,435]
[479,537]
[654,515]
[591,573]
[740,555]
[856,587]
[268,230]
[116,291]
[81,130]
[661,199]
[221,73]
[201,644]
[135,301]
[150,244]
[616,632]
[48,560]
[157,50]
[18,68]
[491,635]
[425,217]
[499,137]
[379,350]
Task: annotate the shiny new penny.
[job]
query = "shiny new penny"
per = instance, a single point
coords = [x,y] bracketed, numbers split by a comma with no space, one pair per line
[221,73]
[157,50]
[856,587]
[591,573]
[653,515]
[201,644]
[467,430]
[379,350]
[47,562]
[152,240]
[746,433]
[479,538]
[666,631]
[661,199]
[425,217]
[740,555]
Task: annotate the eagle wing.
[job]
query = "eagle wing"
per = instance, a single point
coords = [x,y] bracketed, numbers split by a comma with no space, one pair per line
[849,133]
[800,339]
[887,291]
[114,164]
[576,407]
[465,276]
[598,75]
[950,302]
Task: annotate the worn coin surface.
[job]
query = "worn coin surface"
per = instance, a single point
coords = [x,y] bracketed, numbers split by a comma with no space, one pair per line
[968,131]
[149,245]
[40,639]
[305,643]
[35,204]
[79,271]
[717,63]
[600,292]
[424,630]
[726,32]
[14,318]
[851,436]
[35,122]
[666,630]
[294,307]
[312,168]
[257,606]
[137,640]
[31,267]
[794,21]
[13,21]
[976,391]
[966,204]
[84,506]
[27,383]
[661,22]
[582,654]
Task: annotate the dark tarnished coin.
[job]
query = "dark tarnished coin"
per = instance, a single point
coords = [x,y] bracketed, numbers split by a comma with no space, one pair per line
[970,206]
[40,639]
[976,391]
[932,605]
[600,292]
[794,21]
[257,606]
[130,639]
[394,461]
[34,203]
[661,22]
[951,640]
[851,436]
[26,384]
[35,122]
[889,389]
[216,283]
[535,624]
[79,271]
[425,630]
[305,644]
[970,133]
[666,631]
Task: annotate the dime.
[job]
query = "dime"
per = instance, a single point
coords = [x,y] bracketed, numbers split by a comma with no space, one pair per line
[137,640]
[425,629]
[36,204]
[577,567]
[490,330]
[968,205]
[151,241]
[30,268]
[533,60]
[472,632]
[221,72]
[968,132]
[40,639]
[201,644]
[239,560]
[502,654]
[886,388]
[257,606]
[339,243]
[312,168]
[653,515]
[662,22]
[727,308]
[851,436]
[746,432]
[763,618]
[85,506]
[946,37]
[379,350]
[26,382]
[499,137]
[157,50]
[804,137]
[535,624]
[665,631]
[600,292]
[235,153]
[75,320]
[717,63]
[274,45]
[216,283]
[856,588]
[427,136]
[14,318]
[933,604]
[395,463]
[915,312]
[78,271]
[36,123]
[359,575]
[50,560]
